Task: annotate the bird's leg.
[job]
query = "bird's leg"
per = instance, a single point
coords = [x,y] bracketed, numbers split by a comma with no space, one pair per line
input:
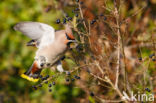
[32,43]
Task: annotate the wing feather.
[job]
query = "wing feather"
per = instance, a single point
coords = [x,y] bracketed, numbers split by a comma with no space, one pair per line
[43,33]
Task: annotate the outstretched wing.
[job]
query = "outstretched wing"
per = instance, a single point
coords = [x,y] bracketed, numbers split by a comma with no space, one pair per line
[43,33]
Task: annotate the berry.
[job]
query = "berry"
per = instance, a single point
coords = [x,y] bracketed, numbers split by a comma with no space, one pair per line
[43,78]
[140,58]
[67,80]
[40,76]
[58,21]
[76,9]
[47,76]
[53,83]
[91,94]
[67,16]
[77,0]
[93,21]
[147,89]
[70,18]
[77,77]
[34,87]
[64,21]
[40,85]
[78,20]
[153,59]
[150,56]
[76,15]
[73,79]
[50,90]
[50,85]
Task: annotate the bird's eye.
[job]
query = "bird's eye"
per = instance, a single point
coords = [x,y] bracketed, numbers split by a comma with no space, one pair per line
[41,64]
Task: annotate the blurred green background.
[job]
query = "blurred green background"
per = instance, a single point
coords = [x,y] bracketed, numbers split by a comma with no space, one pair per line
[16,57]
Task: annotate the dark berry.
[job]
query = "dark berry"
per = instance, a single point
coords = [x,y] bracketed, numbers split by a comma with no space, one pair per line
[140,58]
[50,85]
[91,94]
[70,18]
[63,58]
[76,9]
[40,76]
[58,21]
[147,89]
[150,56]
[77,0]
[73,79]
[76,15]
[64,21]
[53,83]
[66,15]
[34,87]
[153,59]
[50,90]
[40,85]
[78,77]
[78,20]
[93,21]
[47,76]
[75,76]
[67,79]
[43,78]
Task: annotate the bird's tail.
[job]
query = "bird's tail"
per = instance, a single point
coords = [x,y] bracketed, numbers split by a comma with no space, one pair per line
[32,73]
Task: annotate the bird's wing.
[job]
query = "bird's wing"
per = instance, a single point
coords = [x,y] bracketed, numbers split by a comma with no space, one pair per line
[43,33]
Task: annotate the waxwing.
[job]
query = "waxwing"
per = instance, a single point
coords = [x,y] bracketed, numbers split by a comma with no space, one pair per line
[51,46]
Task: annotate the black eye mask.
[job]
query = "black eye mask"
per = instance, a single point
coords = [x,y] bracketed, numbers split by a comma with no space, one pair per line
[68,37]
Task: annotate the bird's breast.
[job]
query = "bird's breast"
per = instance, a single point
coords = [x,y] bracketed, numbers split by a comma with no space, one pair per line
[51,53]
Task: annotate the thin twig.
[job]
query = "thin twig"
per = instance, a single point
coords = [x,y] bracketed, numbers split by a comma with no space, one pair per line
[81,14]
[116,13]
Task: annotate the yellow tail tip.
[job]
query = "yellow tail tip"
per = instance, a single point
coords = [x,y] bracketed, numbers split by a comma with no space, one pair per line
[29,78]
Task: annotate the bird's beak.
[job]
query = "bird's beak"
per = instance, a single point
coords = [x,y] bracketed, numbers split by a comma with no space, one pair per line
[72,41]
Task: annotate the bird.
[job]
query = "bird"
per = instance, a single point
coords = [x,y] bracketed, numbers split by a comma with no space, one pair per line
[51,45]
